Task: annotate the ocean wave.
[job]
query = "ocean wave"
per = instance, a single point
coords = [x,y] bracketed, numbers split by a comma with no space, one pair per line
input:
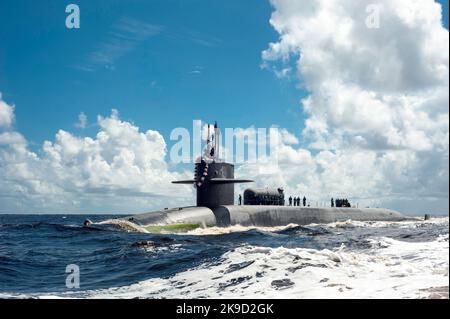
[340,260]
[121,224]
[236,229]
[389,269]
[413,223]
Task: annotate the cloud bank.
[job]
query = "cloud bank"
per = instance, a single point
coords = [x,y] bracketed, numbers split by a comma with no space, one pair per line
[120,170]
[6,114]
[377,109]
[377,123]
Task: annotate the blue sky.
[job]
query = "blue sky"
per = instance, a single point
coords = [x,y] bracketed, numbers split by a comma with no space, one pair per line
[164,63]
[202,62]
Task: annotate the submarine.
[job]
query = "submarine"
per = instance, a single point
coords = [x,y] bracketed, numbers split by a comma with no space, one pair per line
[214,181]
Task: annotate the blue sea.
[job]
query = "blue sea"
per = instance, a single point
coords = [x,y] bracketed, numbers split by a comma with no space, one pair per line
[408,259]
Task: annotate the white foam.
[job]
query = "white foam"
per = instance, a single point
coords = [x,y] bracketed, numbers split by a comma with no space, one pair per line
[124,225]
[236,229]
[413,223]
[389,269]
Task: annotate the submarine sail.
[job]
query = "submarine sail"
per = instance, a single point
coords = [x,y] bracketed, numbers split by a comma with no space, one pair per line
[213,178]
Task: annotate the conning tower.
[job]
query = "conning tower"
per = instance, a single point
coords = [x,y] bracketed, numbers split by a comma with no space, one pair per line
[213,178]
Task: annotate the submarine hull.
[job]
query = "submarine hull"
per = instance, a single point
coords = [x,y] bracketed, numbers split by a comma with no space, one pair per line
[262,216]
[214,181]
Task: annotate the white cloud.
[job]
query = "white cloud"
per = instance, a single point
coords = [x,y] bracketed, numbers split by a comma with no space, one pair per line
[377,112]
[120,170]
[377,123]
[287,137]
[6,114]
[377,84]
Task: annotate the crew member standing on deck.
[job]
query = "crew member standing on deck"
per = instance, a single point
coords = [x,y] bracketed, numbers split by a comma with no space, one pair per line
[304,201]
[290,200]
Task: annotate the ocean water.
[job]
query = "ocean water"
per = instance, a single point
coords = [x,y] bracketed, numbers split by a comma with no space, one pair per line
[349,259]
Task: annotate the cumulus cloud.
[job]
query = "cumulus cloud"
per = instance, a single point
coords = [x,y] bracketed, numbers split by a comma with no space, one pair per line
[120,170]
[6,114]
[376,126]
[387,85]
[377,112]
